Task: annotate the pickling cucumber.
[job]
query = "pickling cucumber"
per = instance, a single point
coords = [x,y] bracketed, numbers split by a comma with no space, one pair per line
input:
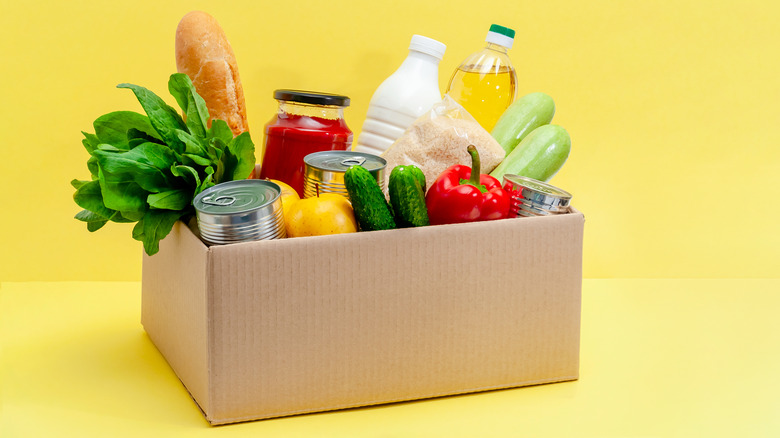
[368,201]
[539,156]
[407,196]
[523,116]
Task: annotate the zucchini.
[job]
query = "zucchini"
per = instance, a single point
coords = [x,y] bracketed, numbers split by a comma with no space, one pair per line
[523,116]
[407,196]
[539,156]
[368,201]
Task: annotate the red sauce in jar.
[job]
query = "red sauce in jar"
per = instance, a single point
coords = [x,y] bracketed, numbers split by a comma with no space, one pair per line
[294,133]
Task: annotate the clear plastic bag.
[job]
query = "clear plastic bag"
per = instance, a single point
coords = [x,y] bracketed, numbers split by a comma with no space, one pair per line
[438,139]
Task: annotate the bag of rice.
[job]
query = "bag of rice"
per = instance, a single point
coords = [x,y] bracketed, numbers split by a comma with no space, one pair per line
[438,140]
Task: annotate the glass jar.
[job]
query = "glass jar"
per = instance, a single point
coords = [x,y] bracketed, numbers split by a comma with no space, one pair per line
[306,122]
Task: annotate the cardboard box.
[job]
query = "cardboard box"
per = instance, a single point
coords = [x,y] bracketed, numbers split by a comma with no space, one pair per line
[274,328]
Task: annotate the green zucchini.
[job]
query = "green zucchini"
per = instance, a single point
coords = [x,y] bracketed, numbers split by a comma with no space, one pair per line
[368,201]
[539,156]
[523,116]
[407,196]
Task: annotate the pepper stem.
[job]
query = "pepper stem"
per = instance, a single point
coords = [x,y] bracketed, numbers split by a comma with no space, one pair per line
[475,165]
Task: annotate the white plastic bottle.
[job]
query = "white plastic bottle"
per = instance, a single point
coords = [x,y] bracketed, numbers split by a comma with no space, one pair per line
[407,94]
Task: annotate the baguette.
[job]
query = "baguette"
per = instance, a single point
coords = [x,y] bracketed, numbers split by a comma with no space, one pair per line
[204,54]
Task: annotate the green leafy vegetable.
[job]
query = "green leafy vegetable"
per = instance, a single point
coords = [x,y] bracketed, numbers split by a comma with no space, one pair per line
[148,168]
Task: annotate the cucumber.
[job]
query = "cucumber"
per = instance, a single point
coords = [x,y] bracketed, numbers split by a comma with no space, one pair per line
[368,201]
[539,156]
[407,196]
[523,116]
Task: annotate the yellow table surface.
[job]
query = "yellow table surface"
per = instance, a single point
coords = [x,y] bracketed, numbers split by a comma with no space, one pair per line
[662,358]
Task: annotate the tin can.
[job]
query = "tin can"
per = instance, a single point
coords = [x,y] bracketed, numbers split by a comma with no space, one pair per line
[530,197]
[240,211]
[324,171]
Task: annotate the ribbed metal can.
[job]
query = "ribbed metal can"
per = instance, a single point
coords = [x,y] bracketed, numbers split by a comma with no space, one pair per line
[240,211]
[530,197]
[324,171]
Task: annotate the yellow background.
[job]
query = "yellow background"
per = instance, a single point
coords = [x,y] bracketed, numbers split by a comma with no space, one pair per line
[672,107]
[659,358]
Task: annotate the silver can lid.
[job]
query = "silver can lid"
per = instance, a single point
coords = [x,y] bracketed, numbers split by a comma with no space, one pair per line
[340,161]
[536,193]
[234,197]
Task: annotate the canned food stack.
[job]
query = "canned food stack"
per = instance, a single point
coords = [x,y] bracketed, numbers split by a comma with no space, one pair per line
[325,170]
[240,211]
[530,197]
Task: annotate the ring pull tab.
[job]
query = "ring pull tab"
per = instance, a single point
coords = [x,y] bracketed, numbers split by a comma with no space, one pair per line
[220,201]
[353,161]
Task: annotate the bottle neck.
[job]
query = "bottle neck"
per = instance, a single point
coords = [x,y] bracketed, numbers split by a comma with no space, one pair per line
[497,48]
[287,108]
[420,65]
[415,57]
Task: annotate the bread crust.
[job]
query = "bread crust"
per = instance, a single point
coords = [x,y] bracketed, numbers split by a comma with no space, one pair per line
[203,53]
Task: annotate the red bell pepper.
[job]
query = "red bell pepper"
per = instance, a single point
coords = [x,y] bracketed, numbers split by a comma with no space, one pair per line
[462,194]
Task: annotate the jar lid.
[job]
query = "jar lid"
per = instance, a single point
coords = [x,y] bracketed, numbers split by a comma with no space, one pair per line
[503,36]
[311,98]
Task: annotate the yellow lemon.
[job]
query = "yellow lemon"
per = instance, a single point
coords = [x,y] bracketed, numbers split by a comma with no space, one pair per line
[289,196]
[325,214]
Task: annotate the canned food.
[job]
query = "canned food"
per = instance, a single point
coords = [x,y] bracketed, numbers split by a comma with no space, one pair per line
[530,197]
[240,211]
[324,171]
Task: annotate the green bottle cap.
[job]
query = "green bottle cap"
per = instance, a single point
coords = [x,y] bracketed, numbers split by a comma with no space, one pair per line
[502,30]
[503,36]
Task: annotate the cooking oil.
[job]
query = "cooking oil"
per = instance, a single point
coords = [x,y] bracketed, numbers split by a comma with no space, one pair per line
[484,93]
[485,83]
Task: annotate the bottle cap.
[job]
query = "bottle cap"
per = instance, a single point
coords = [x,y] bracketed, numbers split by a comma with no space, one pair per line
[503,36]
[428,46]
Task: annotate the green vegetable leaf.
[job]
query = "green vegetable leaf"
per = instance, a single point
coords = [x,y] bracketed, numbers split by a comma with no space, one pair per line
[192,144]
[153,227]
[89,197]
[136,137]
[146,164]
[208,181]
[147,168]
[90,141]
[120,192]
[239,157]
[92,166]
[170,199]
[215,148]
[94,221]
[163,117]
[195,160]
[194,107]
[221,130]
[112,128]
[105,147]
[187,173]
[76,183]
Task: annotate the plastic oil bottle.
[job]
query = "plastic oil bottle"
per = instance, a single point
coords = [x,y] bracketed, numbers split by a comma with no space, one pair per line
[485,83]
[408,93]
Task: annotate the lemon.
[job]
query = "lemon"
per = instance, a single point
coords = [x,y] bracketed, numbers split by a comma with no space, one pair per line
[325,214]
[289,196]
